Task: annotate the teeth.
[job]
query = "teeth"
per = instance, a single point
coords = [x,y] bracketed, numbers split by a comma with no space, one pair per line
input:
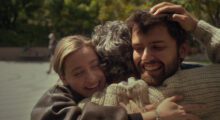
[93,86]
[151,67]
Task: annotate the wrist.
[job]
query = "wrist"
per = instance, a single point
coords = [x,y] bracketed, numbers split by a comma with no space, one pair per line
[157,115]
[150,115]
[194,26]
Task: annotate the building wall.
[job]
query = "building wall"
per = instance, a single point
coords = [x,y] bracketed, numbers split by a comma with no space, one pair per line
[19,53]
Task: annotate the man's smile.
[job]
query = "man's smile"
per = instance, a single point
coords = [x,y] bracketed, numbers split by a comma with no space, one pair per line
[151,67]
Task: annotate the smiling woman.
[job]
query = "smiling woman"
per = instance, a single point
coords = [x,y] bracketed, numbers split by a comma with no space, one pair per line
[77,64]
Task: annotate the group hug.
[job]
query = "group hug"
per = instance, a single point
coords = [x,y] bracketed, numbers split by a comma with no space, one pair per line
[135,70]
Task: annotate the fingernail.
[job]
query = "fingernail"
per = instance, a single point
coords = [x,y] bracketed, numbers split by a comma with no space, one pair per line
[151,10]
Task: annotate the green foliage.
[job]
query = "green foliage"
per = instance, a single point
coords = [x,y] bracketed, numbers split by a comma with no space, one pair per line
[28,22]
[208,10]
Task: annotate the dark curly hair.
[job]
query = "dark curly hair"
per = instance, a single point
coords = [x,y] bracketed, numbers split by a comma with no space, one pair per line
[143,21]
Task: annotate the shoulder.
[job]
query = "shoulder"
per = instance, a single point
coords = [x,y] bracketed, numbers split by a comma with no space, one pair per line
[55,103]
[57,93]
[185,66]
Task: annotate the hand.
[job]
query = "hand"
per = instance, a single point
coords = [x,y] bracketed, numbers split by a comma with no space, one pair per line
[131,107]
[92,111]
[169,110]
[180,15]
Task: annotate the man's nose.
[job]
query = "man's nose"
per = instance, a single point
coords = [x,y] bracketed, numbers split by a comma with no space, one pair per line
[147,55]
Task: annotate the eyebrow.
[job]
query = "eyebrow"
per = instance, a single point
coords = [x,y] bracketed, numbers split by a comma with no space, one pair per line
[158,41]
[78,67]
[154,42]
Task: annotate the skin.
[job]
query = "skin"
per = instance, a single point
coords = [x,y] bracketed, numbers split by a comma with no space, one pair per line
[183,17]
[156,54]
[82,72]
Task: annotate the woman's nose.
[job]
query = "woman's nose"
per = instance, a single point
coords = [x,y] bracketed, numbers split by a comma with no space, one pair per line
[92,78]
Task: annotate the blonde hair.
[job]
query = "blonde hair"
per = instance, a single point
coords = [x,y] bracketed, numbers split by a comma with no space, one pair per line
[65,47]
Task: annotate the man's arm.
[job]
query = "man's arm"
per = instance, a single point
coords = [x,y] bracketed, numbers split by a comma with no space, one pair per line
[208,35]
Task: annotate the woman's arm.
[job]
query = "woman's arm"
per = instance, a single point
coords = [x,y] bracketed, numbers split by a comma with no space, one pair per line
[58,104]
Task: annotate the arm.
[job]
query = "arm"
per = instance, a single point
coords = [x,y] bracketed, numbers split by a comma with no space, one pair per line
[95,112]
[208,35]
[168,109]
[58,104]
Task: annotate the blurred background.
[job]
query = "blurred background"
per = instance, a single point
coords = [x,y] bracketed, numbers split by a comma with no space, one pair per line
[26,24]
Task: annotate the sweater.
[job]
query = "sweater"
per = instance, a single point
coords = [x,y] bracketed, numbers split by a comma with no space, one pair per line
[199,85]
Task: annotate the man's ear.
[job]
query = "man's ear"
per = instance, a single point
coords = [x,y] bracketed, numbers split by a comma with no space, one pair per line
[184,50]
[62,78]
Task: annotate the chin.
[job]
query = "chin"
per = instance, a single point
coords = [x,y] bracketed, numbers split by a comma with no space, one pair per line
[152,81]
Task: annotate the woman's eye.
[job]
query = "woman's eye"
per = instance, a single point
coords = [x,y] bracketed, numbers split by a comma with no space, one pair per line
[78,73]
[96,65]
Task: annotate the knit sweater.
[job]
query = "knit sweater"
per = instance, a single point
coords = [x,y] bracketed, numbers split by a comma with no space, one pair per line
[198,85]
[209,36]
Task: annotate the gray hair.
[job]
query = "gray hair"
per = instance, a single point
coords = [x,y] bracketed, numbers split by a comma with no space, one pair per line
[112,41]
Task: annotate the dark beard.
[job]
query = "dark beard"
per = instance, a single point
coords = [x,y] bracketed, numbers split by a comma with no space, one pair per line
[166,73]
[151,81]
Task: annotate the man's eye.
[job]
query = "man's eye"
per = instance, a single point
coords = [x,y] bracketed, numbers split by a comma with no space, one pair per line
[139,50]
[158,47]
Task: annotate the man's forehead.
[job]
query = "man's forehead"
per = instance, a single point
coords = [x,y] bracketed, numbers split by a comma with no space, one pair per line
[156,34]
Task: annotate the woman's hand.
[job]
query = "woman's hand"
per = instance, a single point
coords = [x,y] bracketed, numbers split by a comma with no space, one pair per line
[168,109]
[131,107]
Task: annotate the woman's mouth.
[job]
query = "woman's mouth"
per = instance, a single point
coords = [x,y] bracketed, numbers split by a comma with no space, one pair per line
[94,86]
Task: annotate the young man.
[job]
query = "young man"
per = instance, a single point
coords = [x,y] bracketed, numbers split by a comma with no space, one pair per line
[159,47]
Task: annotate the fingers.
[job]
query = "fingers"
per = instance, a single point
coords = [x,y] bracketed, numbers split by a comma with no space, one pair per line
[167,8]
[123,105]
[131,107]
[134,107]
[175,98]
[179,18]
[150,107]
[156,7]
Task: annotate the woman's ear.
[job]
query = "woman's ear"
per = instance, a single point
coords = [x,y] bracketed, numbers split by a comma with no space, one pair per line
[62,78]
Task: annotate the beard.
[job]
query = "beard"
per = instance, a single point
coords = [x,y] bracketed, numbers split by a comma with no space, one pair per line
[158,76]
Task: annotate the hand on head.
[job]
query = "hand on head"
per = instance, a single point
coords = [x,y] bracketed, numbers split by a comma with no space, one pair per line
[180,15]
